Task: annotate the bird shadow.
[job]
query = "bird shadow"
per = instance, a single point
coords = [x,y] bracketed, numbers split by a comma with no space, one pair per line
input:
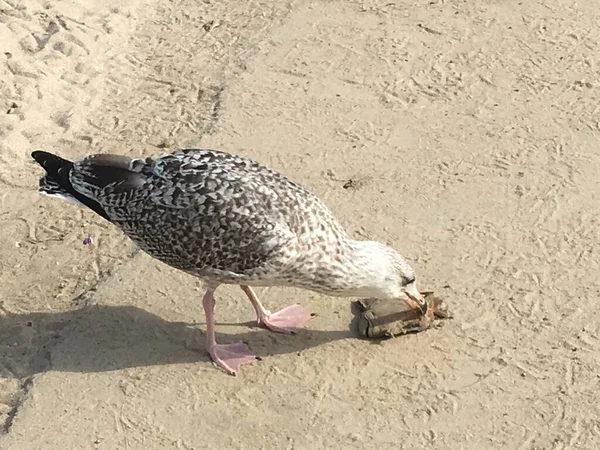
[103,338]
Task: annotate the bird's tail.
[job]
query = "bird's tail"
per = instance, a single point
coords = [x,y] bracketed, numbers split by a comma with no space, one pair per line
[56,181]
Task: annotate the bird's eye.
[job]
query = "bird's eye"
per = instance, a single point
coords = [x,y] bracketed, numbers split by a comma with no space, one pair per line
[409,280]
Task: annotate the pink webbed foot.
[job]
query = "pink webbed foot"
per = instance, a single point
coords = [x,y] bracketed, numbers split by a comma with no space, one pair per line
[287,320]
[231,356]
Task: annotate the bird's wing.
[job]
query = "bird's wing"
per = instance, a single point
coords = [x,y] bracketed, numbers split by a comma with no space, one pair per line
[98,176]
[195,209]
[236,221]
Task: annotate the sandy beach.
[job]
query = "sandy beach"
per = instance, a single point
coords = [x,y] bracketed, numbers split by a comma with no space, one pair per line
[464,134]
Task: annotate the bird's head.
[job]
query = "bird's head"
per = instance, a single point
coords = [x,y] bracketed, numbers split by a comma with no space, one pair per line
[388,274]
[407,281]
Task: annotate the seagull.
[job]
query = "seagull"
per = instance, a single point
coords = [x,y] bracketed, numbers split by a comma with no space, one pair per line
[227,219]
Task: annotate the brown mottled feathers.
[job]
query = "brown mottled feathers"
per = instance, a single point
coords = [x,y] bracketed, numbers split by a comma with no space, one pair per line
[210,213]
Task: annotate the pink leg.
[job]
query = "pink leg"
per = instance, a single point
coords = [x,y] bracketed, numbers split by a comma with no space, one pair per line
[284,321]
[226,356]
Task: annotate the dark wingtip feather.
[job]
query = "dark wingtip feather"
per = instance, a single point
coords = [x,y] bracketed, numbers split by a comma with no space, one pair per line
[39,156]
[56,180]
[48,161]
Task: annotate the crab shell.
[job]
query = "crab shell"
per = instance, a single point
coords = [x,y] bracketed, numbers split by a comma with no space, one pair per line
[385,318]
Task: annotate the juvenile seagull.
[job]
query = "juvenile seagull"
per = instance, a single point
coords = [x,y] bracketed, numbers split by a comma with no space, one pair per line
[230,220]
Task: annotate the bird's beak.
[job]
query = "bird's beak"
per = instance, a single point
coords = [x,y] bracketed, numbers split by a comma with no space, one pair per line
[413,293]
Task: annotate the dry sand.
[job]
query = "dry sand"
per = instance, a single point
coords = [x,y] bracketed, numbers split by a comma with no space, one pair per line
[471,132]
